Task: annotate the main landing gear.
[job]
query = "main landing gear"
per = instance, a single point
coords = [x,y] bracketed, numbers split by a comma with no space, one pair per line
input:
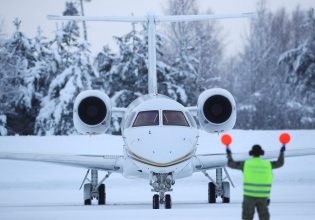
[219,188]
[94,189]
[162,183]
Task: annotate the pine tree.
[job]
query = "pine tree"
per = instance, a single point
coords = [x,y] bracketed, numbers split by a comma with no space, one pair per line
[194,50]
[3,122]
[1,31]
[258,74]
[72,76]
[266,95]
[83,22]
[126,75]
[16,57]
[38,77]
[300,66]
[3,118]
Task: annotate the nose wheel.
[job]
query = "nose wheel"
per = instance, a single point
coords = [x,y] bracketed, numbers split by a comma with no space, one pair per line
[166,200]
[162,183]
[156,201]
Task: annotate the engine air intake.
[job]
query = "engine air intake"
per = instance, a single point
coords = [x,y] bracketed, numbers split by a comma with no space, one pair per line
[217,109]
[92,110]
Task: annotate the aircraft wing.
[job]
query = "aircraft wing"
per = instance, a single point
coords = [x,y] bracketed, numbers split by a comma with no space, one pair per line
[106,162]
[212,161]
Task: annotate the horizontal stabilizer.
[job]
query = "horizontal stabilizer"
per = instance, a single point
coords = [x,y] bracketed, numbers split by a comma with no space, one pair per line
[177,18]
[157,18]
[99,18]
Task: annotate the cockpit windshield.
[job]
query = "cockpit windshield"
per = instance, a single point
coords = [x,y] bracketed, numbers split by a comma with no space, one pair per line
[176,118]
[146,118]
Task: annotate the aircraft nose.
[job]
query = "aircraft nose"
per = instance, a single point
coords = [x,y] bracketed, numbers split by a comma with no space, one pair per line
[163,146]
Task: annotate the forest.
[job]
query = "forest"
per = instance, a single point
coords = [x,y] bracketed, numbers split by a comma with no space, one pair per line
[272,78]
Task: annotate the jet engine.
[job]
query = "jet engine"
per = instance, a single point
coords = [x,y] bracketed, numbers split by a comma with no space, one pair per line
[92,112]
[216,110]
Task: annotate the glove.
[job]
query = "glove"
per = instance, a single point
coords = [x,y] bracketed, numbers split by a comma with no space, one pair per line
[282,149]
[228,151]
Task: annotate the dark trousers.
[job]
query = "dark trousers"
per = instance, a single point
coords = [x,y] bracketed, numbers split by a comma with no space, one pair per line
[249,205]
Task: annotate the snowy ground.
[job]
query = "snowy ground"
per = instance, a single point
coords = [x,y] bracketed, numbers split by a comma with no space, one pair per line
[43,191]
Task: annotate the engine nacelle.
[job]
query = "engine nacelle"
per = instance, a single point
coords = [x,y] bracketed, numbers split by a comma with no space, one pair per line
[92,112]
[216,110]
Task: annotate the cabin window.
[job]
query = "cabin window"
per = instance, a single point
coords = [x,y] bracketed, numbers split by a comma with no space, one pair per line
[146,118]
[176,118]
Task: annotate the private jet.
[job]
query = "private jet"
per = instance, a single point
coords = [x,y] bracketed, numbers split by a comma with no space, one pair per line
[160,135]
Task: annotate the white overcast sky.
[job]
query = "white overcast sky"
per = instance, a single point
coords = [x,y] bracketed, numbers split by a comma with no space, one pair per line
[33,14]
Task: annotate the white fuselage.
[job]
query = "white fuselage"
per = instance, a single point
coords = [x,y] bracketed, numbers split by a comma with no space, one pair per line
[160,145]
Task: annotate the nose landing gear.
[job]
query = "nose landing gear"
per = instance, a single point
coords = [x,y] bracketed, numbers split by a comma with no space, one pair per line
[161,184]
[164,199]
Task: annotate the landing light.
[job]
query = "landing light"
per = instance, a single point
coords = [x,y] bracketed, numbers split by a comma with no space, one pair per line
[284,138]
[226,139]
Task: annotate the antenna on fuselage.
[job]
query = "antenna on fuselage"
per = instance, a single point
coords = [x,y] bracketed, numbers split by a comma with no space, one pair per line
[151,19]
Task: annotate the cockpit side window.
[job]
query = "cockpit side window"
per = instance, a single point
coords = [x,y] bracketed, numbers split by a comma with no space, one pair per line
[176,118]
[129,120]
[146,118]
[191,120]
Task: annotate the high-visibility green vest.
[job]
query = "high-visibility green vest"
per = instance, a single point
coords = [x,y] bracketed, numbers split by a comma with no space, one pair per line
[257,177]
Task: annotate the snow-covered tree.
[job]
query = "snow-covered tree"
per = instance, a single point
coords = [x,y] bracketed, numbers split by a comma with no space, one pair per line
[103,63]
[300,66]
[298,30]
[16,57]
[193,49]
[3,118]
[85,35]
[258,80]
[127,74]
[266,95]
[10,68]
[1,31]
[3,122]
[73,76]
[38,77]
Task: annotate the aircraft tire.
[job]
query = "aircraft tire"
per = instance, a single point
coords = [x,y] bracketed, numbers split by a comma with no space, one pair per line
[226,192]
[156,201]
[226,200]
[211,193]
[168,201]
[101,195]
[87,194]
[87,202]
